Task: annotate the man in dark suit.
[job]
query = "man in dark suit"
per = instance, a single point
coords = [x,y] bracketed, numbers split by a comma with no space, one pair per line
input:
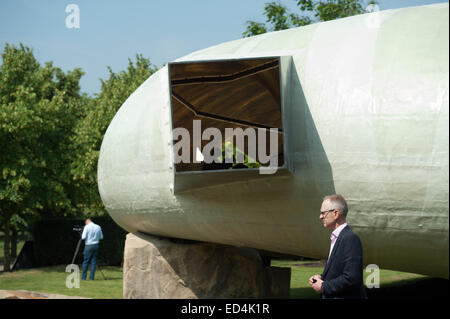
[343,273]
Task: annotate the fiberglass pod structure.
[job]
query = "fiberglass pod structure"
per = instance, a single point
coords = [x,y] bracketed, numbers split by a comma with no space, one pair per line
[360,108]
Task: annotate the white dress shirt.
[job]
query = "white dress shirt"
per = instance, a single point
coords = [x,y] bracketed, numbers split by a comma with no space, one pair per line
[334,236]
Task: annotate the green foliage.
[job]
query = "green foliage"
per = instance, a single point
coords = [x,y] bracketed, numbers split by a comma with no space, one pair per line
[229,151]
[50,137]
[39,106]
[55,241]
[333,9]
[279,18]
[298,21]
[90,131]
[254,28]
[38,110]
[276,15]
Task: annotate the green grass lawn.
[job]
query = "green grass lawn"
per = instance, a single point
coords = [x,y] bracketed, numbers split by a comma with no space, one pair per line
[393,284]
[53,280]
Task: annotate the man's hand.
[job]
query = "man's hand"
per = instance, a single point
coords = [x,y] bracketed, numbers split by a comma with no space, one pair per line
[317,285]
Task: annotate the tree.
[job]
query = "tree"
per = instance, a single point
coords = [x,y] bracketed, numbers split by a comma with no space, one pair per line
[280,19]
[334,9]
[50,136]
[90,131]
[39,106]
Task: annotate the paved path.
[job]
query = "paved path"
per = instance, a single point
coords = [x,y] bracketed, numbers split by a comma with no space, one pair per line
[24,294]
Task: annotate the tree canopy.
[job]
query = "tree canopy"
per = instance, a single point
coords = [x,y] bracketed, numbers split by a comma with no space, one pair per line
[50,137]
[278,16]
[39,106]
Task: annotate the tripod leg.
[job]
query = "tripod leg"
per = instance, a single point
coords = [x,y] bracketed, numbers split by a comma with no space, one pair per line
[76,251]
[98,266]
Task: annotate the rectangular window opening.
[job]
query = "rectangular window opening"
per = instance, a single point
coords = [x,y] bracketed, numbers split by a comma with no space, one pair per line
[224,113]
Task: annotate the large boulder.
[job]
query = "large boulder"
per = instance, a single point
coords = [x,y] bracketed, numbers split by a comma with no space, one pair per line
[161,268]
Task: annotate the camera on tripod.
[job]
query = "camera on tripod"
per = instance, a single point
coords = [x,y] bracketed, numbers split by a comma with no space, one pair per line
[78,228]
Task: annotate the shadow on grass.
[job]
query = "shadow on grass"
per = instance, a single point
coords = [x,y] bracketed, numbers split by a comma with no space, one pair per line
[416,288]
[303,293]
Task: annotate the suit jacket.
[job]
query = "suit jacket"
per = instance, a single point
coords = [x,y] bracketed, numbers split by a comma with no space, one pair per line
[343,273]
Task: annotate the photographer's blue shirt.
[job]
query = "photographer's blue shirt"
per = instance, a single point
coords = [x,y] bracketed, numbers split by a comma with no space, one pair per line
[92,234]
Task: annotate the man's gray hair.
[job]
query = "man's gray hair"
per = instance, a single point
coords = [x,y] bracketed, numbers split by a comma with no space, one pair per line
[338,202]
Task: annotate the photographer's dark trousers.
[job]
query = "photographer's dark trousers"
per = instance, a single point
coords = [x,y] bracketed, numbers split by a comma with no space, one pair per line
[90,257]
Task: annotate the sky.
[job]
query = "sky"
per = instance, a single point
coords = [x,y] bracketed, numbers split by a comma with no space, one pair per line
[110,32]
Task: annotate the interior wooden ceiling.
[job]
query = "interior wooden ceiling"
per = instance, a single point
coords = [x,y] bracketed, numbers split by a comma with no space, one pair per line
[183,70]
[227,94]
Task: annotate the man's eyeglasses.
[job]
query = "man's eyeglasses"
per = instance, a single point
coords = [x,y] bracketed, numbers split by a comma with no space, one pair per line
[325,213]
